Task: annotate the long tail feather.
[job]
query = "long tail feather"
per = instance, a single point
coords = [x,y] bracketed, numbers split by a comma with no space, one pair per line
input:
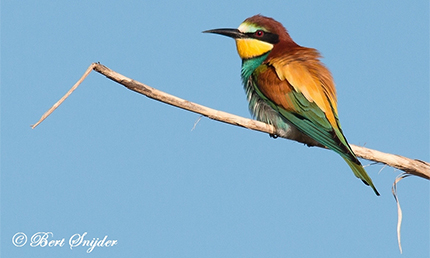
[361,173]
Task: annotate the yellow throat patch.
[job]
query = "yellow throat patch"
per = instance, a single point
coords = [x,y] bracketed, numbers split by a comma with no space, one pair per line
[249,48]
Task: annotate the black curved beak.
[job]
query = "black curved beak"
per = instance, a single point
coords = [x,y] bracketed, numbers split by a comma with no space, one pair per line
[232,33]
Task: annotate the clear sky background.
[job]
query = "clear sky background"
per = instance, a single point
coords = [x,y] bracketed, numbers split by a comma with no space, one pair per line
[112,162]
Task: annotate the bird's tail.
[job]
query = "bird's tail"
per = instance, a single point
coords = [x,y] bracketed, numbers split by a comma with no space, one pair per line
[361,173]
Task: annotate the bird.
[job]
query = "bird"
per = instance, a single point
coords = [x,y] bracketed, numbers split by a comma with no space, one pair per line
[288,87]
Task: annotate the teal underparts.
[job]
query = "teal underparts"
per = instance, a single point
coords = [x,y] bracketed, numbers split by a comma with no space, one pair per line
[249,65]
[259,105]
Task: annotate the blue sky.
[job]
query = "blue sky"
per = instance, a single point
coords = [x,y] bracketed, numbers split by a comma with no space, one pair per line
[113,163]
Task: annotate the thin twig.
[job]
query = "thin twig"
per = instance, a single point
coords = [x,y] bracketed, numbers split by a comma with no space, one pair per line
[399,210]
[47,113]
[195,123]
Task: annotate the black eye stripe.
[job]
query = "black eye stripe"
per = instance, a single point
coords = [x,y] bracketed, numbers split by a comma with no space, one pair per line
[266,37]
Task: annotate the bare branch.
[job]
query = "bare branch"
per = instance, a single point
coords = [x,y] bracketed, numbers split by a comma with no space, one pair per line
[409,166]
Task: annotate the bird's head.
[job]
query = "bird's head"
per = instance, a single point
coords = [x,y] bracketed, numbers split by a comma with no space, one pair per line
[256,36]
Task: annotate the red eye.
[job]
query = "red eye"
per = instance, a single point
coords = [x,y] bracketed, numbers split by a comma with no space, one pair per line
[259,33]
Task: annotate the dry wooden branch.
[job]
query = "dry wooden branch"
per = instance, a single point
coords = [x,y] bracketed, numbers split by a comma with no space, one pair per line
[410,166]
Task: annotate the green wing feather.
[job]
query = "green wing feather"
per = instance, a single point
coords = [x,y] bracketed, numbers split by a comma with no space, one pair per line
[308,117]
[313,122]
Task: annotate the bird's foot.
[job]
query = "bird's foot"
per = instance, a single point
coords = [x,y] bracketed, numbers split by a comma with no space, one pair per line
[274,136]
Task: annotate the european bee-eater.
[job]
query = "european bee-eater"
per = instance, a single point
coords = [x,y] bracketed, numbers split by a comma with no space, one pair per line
[288,87]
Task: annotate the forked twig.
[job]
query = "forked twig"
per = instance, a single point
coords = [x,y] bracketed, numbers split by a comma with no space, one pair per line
[409,166]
